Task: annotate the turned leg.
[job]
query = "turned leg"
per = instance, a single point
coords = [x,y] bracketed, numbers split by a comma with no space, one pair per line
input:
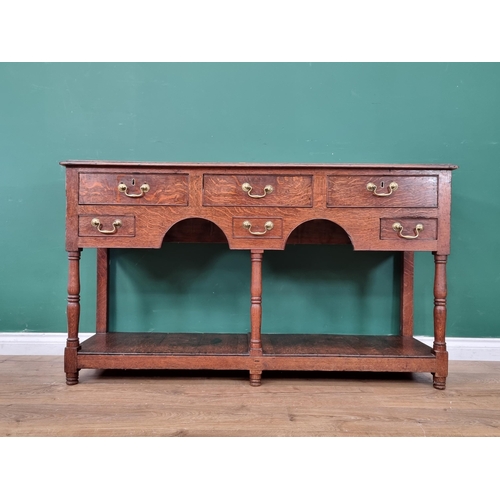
[439,347]
[406,311]
[256,312]
[73,311]
[102,290]
[255,378]
[256,303]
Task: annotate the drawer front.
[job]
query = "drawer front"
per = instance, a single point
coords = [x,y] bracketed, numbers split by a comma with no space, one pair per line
[133,189]
[257,190]
[382,191]
[408,228]
[111,226]
[257,227]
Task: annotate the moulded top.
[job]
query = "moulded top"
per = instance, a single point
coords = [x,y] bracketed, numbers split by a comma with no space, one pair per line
[147,164]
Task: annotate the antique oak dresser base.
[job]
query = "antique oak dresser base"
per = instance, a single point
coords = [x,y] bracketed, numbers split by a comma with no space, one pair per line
[258,207]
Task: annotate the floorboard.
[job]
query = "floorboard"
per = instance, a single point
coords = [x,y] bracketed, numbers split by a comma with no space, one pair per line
[35,401]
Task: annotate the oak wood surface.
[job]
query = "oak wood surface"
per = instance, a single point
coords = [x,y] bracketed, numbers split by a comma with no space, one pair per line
[276,344]
[343,345]
[256,257]
[429,231]
[412,191]
[86,227]
[406,295]
[440,294]
[257,210]
[34,401]
[255,350]
[102,189]
[287,190]
[154,221]
[166,343]
[258,352]
[102,290]
[73,318]
[257,225]
[313,232]
[148,164]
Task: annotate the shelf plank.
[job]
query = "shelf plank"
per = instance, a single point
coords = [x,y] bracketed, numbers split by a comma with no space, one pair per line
[394,346]
[275,345]
[166,344]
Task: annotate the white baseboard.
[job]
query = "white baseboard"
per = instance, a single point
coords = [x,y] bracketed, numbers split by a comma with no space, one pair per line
[469,349]
[39,344]
[34,344]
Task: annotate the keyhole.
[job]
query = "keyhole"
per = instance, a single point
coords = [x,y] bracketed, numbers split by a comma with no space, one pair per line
[133,182]
[381,184]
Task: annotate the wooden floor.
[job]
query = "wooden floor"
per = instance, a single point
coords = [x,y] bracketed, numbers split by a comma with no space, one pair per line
[35,401]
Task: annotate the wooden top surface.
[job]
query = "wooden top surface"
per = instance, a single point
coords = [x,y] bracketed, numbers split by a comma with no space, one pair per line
[141,164]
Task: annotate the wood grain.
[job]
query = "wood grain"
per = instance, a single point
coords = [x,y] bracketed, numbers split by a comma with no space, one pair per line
[102,290]
[102,189]
[439,345]
[314,232]
[34,401]
[406,295]
[313,203]
[258,225]
[409,224]
[287,190]
[126,228]
[361,224]
[344,345]
[412,191]
[245,165]
[73,318]
[166,343]
[261,352]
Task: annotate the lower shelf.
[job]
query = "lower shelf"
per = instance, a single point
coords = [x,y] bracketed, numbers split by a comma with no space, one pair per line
[279,352]
[275,344]
[166,344]
[344,345]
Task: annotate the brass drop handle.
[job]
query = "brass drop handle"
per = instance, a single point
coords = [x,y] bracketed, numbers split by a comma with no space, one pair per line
[268,226]
[97,223]
[393,186]
[248,189]
[123,188]
[398,227]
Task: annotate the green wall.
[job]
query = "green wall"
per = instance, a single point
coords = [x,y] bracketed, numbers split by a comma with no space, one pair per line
[359,112]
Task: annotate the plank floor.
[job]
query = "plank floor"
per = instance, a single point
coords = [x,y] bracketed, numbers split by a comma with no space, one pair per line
[35,401]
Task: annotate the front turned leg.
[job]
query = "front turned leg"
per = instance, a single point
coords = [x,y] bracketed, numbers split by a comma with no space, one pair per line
[256,317]
[439,347]
[439,382]
[255,378]
[73,311]
[256,303]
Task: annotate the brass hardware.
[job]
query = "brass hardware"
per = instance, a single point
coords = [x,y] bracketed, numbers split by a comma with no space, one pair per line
[123,188]
[97,223]
[398,227]
[268,226]
[248,188]
[373,188]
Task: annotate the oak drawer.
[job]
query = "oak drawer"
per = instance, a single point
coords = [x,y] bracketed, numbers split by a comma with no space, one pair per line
[257,227]
[106,225]
[133,189]
[382,191]
[408,228]
[257,190]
